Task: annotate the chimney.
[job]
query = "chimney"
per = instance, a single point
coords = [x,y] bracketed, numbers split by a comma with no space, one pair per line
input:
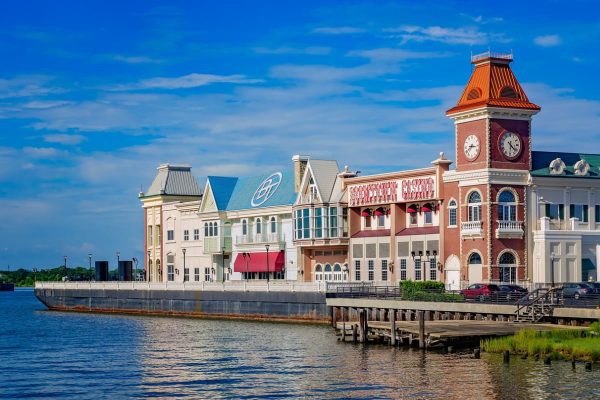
[299,168]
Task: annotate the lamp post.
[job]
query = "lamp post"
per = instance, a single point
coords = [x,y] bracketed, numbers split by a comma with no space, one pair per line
[267,247]
[118,257]
[90,264]
[246,259]
[183,251]
[552,257]
[148,266]
[223,261]
[66,270]
[35,275]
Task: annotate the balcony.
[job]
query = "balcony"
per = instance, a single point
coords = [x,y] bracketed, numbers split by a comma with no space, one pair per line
[217,244]
[471,229]
[509,230]
[261,239]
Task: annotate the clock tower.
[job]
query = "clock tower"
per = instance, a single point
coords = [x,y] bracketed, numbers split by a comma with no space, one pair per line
[486,241]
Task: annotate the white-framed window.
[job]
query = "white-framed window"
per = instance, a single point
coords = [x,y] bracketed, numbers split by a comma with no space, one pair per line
[474,259]
[474,207]
[158,235]
[328,273]
[333,222]
[507,206]
[215,229]
[357,275]
[186,274]
[337,272]
[432,270]
[273,225]
[170,272]
[507,265]
[366,215]
[302,223]
[258,226]
[196,234]
[318,272]
[186,234]
[384,270]
[170,234]
[428,213]
[207,274]
[412,214]
[555,211]
[579,211]
[403,274]
[452,207]
[149,235]
[206,230]
[244,227]
[318,223]
[197,274]
[418,276]
[313,191]
[371,269]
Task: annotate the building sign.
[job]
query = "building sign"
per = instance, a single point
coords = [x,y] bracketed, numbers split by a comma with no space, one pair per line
[391,191]
[266,189]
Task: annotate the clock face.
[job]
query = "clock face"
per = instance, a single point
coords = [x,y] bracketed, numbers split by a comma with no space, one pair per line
[510,145]
[471,147]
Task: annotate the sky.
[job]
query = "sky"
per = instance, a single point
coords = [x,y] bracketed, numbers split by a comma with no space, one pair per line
[94,95]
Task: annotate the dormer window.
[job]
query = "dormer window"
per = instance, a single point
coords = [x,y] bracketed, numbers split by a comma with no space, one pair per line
[474,93]
[312,187]
[557,167]
[581,168]
[508,92]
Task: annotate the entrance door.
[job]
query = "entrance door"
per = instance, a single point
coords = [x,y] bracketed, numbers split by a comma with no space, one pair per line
[453,280]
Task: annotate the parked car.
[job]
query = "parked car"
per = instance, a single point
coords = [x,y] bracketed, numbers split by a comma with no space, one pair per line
[577,290]
[480,291]
[512,292]
[595,285]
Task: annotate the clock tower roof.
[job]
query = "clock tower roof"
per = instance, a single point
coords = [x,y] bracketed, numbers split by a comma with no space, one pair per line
[492,84]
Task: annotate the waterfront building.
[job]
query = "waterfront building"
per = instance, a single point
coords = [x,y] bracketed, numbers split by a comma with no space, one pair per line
[320,216]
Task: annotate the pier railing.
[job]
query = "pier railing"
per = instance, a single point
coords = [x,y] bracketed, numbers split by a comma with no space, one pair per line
[229,286]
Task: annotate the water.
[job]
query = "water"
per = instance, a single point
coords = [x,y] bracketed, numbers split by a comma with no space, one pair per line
[46,354]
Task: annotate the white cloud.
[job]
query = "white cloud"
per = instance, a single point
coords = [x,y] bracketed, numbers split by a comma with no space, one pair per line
[64,139]
[395,54]
[27,86]
[186,81]
[547,40]
[470,35]
[43,152]
[313,51]
[338,30]
[45,104]
[137,59]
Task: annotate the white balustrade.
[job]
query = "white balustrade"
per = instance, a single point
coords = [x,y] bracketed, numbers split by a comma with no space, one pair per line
[509,229]
[472,228]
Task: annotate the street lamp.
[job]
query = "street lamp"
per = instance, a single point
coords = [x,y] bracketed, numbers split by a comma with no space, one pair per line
[183,250]
[118,255]
[147,266]
[90,261]
[267,247]
[223,261]
[66,270]
[246,259]
[552,257]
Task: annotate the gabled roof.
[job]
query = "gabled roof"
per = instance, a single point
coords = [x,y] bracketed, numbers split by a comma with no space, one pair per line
[174,180]
[325,173]
[540,164]
[222,188]
[493,84]
[267,190]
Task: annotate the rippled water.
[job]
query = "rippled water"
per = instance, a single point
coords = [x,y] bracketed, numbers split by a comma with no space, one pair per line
[90,356]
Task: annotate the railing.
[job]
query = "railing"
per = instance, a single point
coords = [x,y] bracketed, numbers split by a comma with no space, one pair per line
[471,228]
[228,286]
[537,305]
[490,54]
[260,238]
[217,244]
[509,229]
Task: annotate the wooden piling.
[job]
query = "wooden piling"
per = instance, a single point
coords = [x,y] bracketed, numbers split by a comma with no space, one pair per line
[421,329]
[354,333]
[506,356]
[393,326]
[343,326]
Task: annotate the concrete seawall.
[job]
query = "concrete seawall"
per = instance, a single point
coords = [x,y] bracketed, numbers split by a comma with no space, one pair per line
[270,305]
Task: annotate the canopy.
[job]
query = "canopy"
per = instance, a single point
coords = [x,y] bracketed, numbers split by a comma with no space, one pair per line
[366,212]
[411,209]
[379,211]
[257,262]
[426,208]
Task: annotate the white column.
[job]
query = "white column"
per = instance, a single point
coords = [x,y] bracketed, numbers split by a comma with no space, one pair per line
[597,261]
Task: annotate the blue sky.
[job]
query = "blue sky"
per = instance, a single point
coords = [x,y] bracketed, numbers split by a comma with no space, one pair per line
[94,95]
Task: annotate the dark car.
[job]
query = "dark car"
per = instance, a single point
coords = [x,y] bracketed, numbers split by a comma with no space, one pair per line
[595,286]
[577,290]
[480,291]
[511,292]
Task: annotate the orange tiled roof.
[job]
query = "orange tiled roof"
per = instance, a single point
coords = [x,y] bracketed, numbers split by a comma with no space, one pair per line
[493,84]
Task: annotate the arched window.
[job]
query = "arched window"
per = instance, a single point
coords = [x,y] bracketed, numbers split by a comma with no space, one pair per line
[244,227]
[366,214]
[474,205]
[474,93]
[428,212]
[508,92]
[328,276]
[507,206]
[273,225]
[318,272]
[211,230]
[507,266]
[258,223]
[216,229]
[452,213]
[474,258]
[412,212]
[206,229]
[337,272]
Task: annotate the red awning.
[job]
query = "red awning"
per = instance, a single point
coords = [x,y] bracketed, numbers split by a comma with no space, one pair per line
[379,212]
[366,213]
[426,208]
[257,262]
[411,209]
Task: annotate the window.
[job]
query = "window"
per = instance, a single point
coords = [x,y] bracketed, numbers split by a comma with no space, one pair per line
[432,270]
[258,224]
[428,217]
[507,206]
[244,227]
[206,232]
[302,224]
[328,276]
[555,211]
[149,230]
[507,267]
[333,222]
[186,234]
[211,230]
[452,213]
[508,92]
[357,276]
[337,273]
[579,211]
[273,225]
[318,273]
[318,223]
[367,219]
[598,213]
[474,205]
[371,264]
[403,269]
[197,274]
[384,270]
[186,274]
[417,269]
[207,275]
[196,234]
[380,215]
[475,258]
[170,273]
[215,229]
[314,196]
[170,235]
[158,235]
[306,222]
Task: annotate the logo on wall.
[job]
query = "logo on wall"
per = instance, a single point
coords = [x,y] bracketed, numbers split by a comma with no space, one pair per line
[266,189]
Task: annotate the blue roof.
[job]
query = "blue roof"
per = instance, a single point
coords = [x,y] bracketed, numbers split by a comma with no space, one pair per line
[267,190]
[222,188]
[540,163]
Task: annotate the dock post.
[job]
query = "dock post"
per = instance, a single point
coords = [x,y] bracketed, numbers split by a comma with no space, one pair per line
[354,333]
[506,356]
[366,326]
[393,326]
[421,329]
[333,321]
[343,326]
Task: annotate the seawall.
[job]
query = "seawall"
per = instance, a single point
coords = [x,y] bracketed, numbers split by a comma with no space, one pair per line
[304,306]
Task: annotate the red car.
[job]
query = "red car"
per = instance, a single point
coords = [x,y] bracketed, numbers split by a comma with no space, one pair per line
[479,291]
